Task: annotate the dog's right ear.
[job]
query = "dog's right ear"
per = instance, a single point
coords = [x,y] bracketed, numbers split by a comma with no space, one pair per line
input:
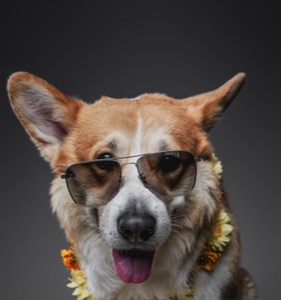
[45,112]
[208,107]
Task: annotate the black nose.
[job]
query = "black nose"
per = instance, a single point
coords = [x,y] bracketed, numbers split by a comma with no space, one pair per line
[136,228]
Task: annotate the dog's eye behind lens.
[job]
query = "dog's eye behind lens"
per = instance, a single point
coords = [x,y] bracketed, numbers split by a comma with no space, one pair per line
[105,164]
[169,164]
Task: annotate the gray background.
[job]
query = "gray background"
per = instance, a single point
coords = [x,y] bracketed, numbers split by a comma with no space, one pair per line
[125,48]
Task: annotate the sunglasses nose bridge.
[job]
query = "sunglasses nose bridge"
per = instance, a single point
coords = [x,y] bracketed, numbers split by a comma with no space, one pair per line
[130,172]
[128,163]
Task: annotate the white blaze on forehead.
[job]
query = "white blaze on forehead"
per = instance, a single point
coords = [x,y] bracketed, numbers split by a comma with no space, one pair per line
[136,143]
[135,148]
[149,137]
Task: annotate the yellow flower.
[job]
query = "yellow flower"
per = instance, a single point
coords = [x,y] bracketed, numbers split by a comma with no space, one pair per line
[216,165]
[221,232]
[79,282]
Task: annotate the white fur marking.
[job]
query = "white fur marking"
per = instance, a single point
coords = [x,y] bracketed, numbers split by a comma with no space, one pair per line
[136,145]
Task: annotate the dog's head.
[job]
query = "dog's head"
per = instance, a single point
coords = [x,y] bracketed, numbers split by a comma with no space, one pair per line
[131,171]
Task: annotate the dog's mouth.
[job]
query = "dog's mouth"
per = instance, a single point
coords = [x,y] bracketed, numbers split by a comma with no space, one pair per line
[133,265]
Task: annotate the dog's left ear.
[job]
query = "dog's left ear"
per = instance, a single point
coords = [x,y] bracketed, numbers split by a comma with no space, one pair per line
[46,113]
[208,107]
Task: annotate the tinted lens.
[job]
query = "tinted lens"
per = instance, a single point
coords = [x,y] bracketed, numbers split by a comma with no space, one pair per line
[168,174]
[93,183]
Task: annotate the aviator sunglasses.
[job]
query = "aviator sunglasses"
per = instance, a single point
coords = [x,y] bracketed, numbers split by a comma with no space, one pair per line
[166,174]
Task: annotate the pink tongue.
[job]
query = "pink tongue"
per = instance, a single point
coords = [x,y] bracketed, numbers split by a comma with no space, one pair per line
[131,268]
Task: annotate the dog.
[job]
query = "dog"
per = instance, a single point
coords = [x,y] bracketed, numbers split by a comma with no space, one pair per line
[138,190]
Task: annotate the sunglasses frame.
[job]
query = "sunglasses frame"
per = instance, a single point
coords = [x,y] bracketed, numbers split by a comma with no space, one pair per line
[65,175]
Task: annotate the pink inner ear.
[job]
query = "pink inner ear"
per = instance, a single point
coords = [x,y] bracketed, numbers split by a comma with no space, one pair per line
[39,108]
[52,129]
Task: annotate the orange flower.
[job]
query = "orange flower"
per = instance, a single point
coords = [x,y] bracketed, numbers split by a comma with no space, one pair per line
[207,260]
[69,259]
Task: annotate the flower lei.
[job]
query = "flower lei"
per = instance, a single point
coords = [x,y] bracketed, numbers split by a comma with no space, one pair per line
[215,247]
[78,278]
[221,237]
[221,233]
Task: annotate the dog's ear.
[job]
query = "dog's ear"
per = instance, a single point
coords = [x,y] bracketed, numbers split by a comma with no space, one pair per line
[208,107]
[45,112]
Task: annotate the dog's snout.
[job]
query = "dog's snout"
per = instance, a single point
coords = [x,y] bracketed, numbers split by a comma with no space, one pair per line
[136,228]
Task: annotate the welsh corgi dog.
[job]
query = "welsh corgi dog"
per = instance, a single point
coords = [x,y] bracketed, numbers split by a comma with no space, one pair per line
[138,191]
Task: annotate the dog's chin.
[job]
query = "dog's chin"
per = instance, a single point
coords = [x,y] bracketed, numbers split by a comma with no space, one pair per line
[133,266]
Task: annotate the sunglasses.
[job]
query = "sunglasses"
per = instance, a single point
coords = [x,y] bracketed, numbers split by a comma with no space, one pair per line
[166,174]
